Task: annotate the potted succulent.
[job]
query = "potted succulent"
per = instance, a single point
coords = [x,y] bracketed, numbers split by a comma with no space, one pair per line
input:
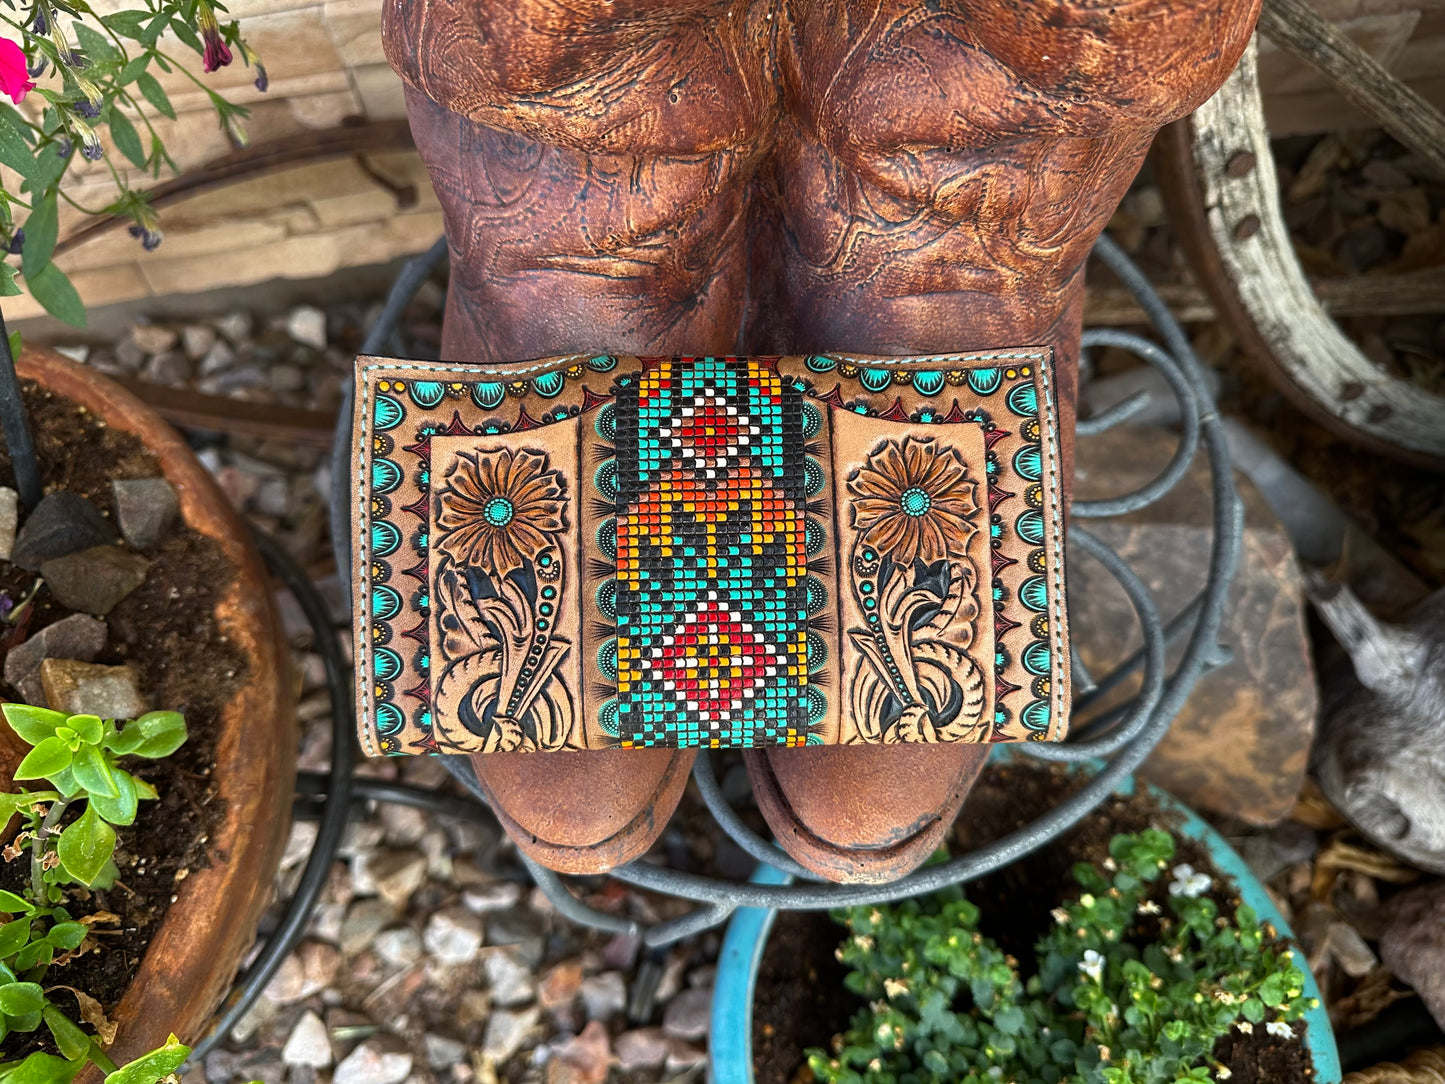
[1159,958]
[195,868]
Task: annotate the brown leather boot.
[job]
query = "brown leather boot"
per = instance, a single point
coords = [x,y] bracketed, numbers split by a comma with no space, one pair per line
[939,183]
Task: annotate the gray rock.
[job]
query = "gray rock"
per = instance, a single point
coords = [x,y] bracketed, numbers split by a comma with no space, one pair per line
[197,339]
[145,508]
[171,369]
[441,1051]
[509,981]
[288,984]
[1412,944]
[682,1056]
[129,356]
[453,936]
[86,688]
[399,947]
[93,581]
[60,524]
[688,1014]
[307,325]
[79,637]
[506,1031]
[604,995]
[236,326]
[9,520]
[364,920]
[370,1064]
[521,928]
[309,1043]
[404,824]
[287,378]
[391,874]
[217,359]
[645,1048]
[487,898]
[153,338]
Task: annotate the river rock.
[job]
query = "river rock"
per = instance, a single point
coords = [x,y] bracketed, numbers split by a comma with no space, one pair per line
[145,508]
[582,1059]
[86,688]
[441,1051]
[399,947]
[364,920]
[604,995]
[1241,742]
[94,581]
[197,339]
[309,1043]
[687,1015]
[509,980]
[391,874]
[307,325]
[1412,944]
[153,338]
[645,1048]
[507,1030]
[9,520]
[370,1064]
[60,524]
[453,936]
[79,637]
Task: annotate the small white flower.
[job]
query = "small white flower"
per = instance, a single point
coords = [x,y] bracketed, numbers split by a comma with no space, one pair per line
[1092,965]
[1060,916]
[1245,1026]
[1224,1072]
[1280,1028]
[1149,907]
[1110,865]
[1188,883]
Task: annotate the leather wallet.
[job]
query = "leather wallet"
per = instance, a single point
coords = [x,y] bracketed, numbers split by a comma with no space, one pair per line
[587,552]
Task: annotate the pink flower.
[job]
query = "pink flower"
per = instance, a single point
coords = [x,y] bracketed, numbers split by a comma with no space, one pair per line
[216,54]
[15,81]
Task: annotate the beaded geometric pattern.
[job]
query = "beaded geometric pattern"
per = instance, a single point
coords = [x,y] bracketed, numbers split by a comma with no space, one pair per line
[711,601]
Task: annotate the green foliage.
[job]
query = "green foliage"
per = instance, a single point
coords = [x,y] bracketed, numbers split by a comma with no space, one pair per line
[104,85]
[1137,979]
[78,755]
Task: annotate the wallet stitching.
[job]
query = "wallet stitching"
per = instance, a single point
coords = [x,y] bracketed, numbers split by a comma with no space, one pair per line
[429,367]
[363,645]
[933,359]
[1057,595]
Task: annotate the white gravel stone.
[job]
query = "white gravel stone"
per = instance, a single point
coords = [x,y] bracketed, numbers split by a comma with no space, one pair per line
[687,1014]
[453,936]
[399,947]
[364,920]
[506,1031]
[497,896]
[645,1048]
[509,980]
[197,339]
[604,995]
[369,1064]
[307,325]
[442,1052]
[309,1044]
[236,326]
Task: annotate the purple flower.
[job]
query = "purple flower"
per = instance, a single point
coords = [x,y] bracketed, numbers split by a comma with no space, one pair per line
[17,242]
[6,605]
[41,25]
[262,82]
[150,240]
[87,109]
[64,147]
[216,54]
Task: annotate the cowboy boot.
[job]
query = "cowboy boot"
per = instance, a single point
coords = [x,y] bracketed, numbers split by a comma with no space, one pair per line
[578,222]
[937,187]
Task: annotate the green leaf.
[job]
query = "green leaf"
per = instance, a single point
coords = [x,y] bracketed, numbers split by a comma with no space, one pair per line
[36,954]
[21,998]
[120,809]
[153,1066]
[54,291]
[40,1068]
[133,70]
[33,724]
[16,344]
[156,27]
[126,23]
[154,735]
[85,846]
[15,152]
[72,1042]
[14,936]
[187,36]
[8,286]
[156,95]
[50,756]
[89,728]
[42,228]
[66,935]
[93,772]
[12,904]
[95,44]
[126,138]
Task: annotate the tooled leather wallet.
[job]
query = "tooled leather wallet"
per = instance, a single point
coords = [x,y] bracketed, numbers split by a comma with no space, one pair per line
[587,552]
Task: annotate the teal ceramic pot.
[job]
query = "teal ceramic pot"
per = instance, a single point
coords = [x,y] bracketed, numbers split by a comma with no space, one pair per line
[731,1041]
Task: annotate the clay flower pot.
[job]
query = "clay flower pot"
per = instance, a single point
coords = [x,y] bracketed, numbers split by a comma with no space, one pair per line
[731,1040]
[193,957]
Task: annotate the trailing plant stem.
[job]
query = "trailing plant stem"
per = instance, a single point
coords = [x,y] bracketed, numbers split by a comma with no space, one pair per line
[38,848]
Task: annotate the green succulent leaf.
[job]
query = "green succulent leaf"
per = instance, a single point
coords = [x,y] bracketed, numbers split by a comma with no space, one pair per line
[21,998]
[85,846]
[66,936]
[69,1039]
[14,935]
[88,728]
[48,758]
[154,735]
[93,772]
[33,724]
[12,904]
[153,1066]
[42,1068]
[121,809]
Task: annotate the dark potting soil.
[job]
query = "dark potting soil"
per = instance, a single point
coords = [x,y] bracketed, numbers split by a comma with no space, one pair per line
[167,629]
[793,1011]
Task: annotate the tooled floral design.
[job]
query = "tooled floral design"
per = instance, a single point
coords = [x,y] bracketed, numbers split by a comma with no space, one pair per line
[499,510]
[914,501]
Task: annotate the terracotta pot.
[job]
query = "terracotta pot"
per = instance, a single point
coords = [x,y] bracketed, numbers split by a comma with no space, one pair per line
[193,957]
